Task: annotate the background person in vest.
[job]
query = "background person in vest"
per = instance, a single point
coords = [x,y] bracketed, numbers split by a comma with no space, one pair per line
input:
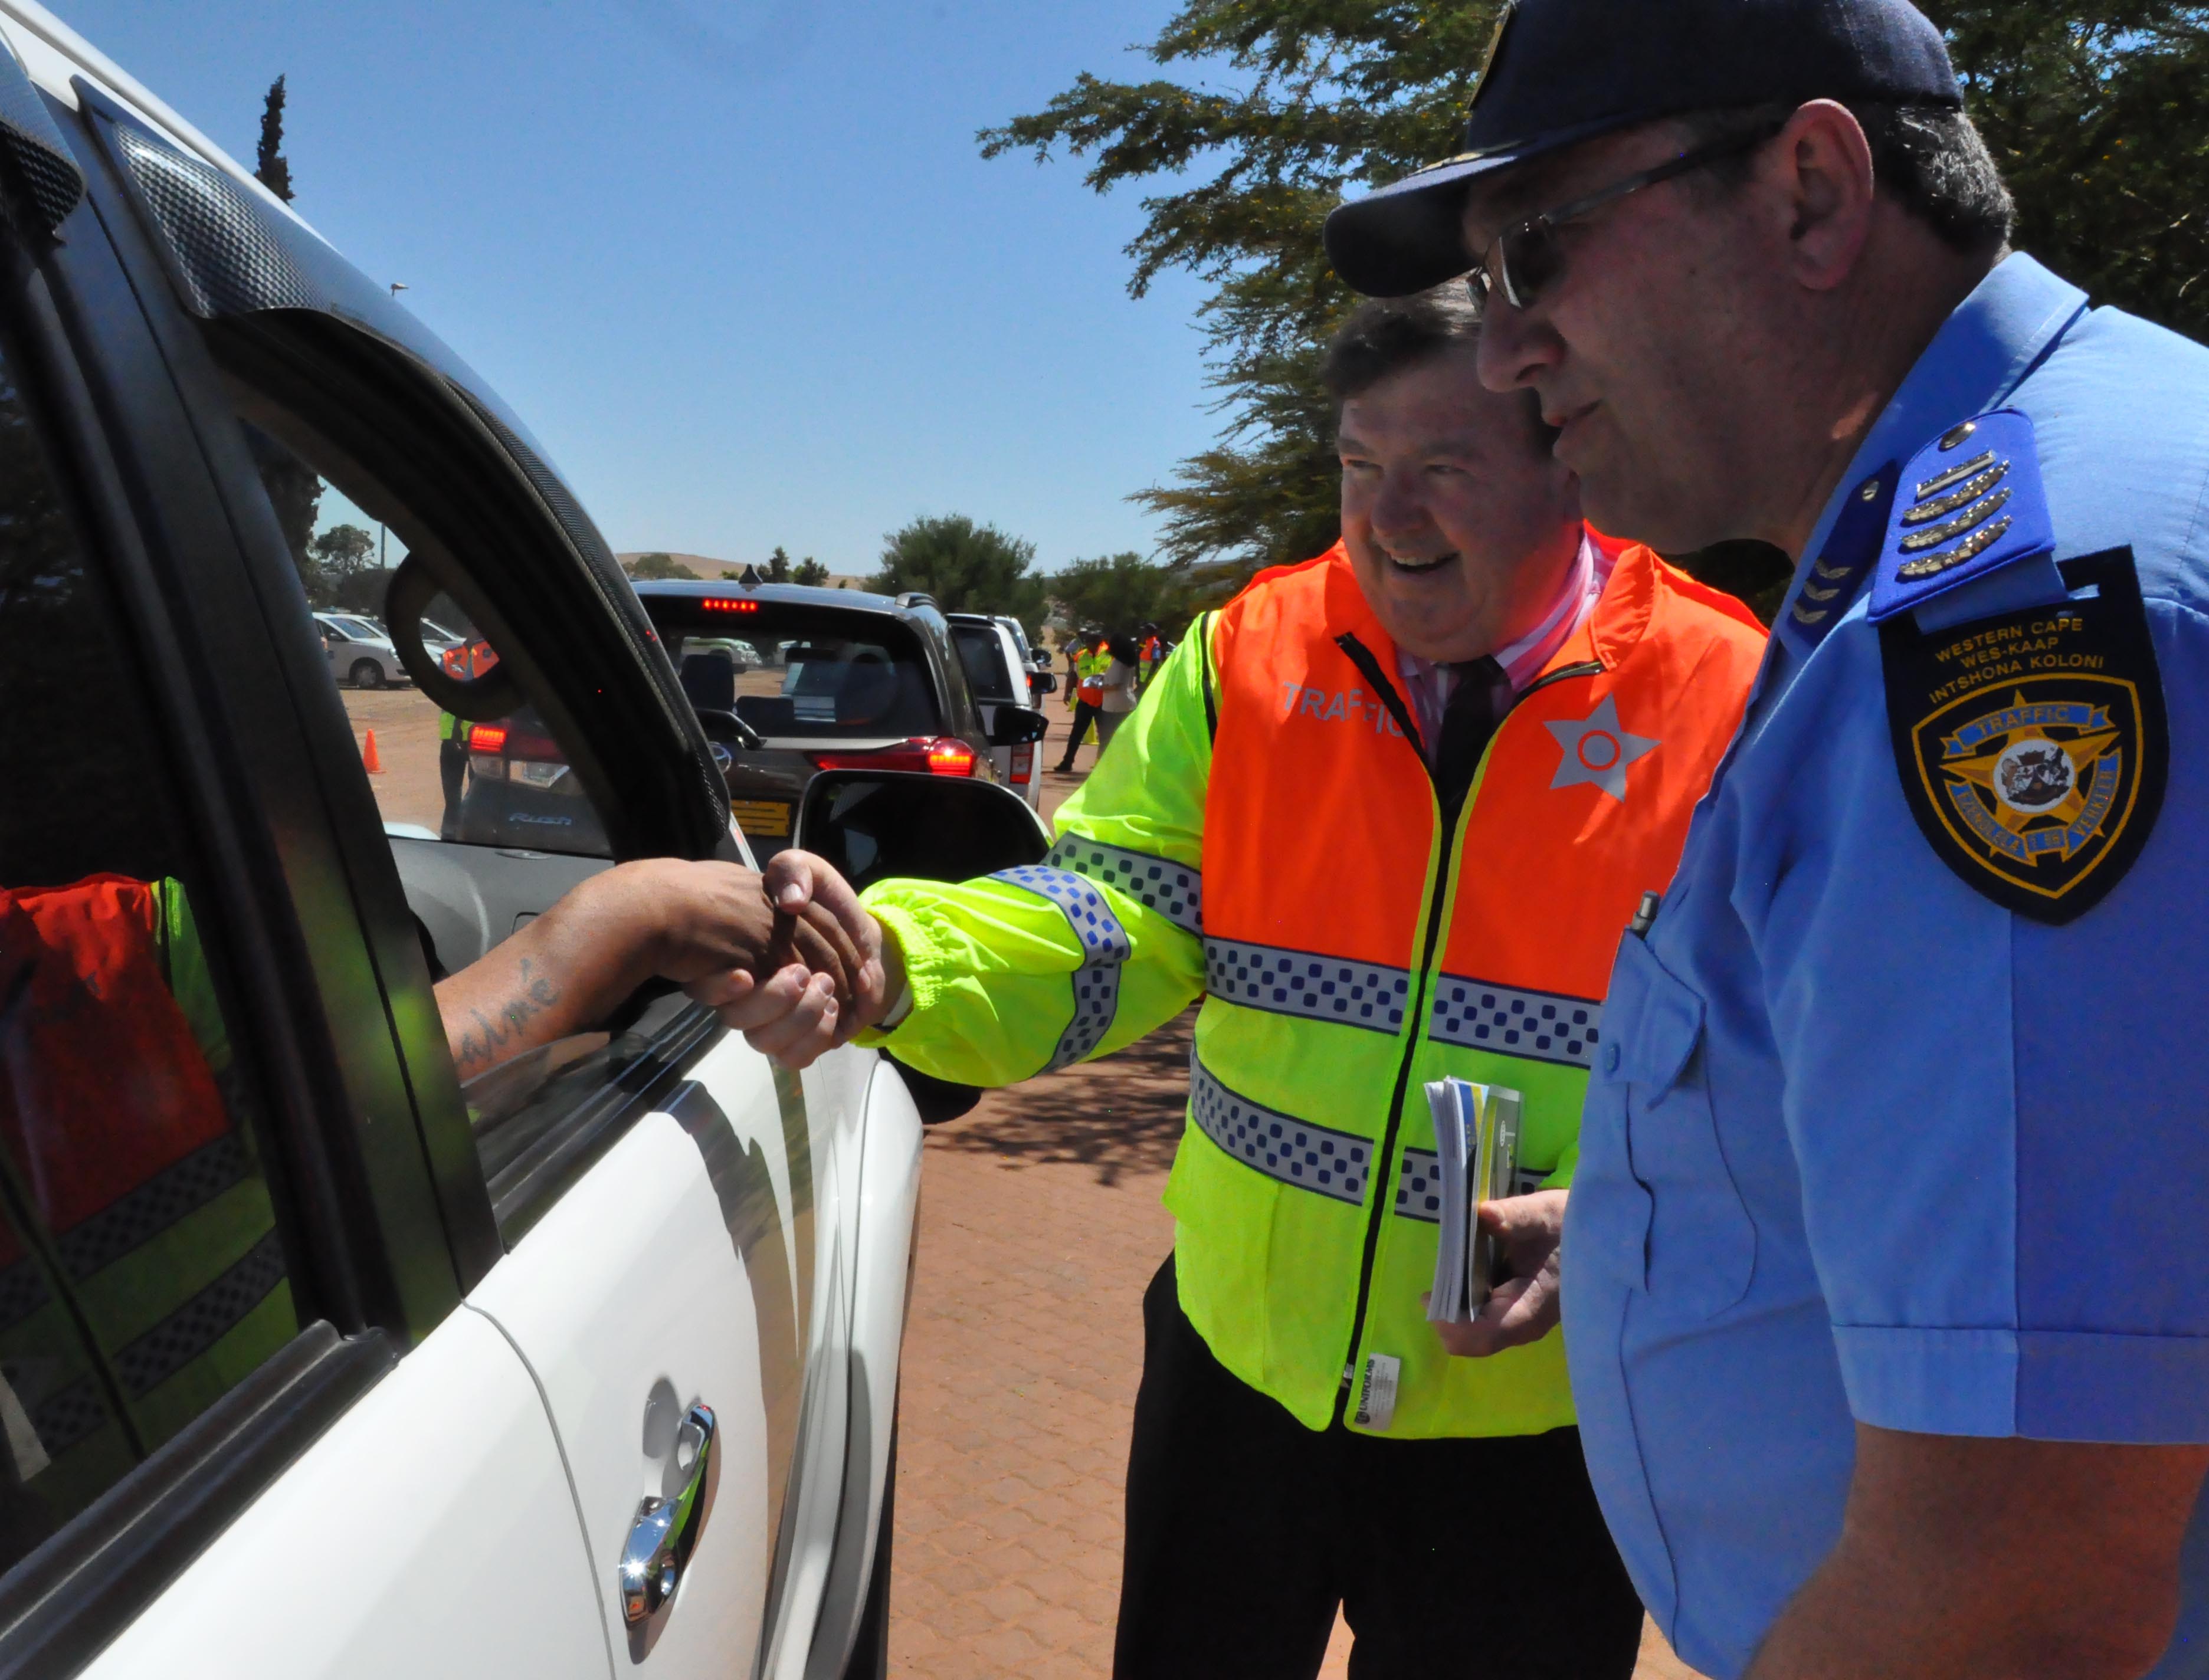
[1117,688]
[1387,812]
[1150,651]
[1087,665]
[1886,1367]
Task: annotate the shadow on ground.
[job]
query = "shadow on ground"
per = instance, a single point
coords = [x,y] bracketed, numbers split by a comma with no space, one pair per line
[1120,1114]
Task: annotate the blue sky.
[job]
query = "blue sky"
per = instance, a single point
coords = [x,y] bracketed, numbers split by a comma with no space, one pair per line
[738,263]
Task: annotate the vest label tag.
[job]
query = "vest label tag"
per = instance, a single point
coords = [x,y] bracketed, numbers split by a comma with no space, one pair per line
[1376,1394]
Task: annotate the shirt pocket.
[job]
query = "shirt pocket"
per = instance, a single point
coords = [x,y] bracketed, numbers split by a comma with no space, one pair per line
[1701,1247]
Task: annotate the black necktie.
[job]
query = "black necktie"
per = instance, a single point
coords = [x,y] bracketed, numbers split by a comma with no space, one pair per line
[1476,703]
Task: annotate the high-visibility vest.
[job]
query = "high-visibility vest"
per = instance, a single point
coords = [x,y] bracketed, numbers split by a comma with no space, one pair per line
[130,1203]
[1357,946]
[1266,832]
[1147,659]
[1092,664]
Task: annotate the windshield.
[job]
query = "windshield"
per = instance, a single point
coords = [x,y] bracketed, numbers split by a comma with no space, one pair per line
[809,674]
[354,630]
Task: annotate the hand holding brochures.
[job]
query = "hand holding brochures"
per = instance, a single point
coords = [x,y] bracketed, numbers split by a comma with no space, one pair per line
[1476,1135]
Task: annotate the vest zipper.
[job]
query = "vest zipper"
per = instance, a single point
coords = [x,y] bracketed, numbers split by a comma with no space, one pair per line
[1362,656]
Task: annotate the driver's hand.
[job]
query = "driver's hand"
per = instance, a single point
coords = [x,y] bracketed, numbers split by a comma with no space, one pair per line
[792,1013]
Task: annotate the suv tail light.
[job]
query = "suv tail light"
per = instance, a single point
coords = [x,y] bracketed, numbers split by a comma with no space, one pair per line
[1023,765]
[497,752]
[939,755]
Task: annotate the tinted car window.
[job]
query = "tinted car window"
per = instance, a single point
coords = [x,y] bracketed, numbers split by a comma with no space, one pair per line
[504,783]
[141,1275]
[816,682]
[983,653]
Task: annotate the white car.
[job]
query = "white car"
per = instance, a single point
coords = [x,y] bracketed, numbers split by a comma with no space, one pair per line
[313,1363]
[361,653]
[999,676]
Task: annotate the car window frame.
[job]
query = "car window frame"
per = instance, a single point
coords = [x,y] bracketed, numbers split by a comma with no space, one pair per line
[84,359]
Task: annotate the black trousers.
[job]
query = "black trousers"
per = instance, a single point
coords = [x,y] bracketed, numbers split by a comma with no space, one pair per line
[1084,716]
[1473,1559]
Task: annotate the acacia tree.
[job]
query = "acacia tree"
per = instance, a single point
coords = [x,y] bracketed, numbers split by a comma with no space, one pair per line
[968,568]
[1122,590]
[2094,110]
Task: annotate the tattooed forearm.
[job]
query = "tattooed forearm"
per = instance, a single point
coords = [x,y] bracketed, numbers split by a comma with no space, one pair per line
[506,1030]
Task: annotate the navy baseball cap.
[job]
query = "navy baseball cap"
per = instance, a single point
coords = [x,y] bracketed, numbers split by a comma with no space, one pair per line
[1562,71]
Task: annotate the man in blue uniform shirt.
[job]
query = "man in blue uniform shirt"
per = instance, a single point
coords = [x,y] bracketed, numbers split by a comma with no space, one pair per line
[1886,1271]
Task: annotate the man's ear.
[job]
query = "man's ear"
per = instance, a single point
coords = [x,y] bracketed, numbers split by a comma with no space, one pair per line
[1820,164]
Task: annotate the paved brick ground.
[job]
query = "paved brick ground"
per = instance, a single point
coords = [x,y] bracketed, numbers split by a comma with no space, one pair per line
[1040,1224]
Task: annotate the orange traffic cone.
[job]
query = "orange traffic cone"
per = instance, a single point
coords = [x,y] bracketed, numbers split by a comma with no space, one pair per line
[370,758]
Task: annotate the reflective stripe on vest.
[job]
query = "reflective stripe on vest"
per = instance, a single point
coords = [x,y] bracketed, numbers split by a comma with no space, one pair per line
[1281,1146]
[1306,983]
[1357,946]
[1541,1026]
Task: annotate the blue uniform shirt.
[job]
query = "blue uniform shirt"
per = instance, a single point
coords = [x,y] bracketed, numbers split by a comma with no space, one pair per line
[1862,1142]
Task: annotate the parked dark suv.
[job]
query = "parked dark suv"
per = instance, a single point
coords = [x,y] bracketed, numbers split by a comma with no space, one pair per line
[849,680]
[852,682]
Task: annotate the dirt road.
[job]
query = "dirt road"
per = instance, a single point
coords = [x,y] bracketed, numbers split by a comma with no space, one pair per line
[1040,1224]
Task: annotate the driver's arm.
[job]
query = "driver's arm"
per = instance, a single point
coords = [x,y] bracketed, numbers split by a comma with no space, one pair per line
[573,966]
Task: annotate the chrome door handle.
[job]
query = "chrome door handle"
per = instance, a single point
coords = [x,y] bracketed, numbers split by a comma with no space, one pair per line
[667,1531]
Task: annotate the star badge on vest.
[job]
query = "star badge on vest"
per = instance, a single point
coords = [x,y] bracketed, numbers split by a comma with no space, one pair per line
[2032,743]
[1597,749]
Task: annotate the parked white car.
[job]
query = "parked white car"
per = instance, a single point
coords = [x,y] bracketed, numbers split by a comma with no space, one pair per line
[999,675]
[361,653]
[313,1363]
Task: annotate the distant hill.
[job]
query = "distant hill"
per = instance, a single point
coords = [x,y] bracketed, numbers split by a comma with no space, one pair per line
[706,566]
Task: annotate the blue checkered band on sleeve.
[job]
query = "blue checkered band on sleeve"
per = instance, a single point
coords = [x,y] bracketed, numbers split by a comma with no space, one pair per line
[1540,1026]
[1308,984]
[1097,981]
[1297,1152]
[1174,890]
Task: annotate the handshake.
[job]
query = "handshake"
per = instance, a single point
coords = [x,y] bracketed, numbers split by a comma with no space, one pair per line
[788,957]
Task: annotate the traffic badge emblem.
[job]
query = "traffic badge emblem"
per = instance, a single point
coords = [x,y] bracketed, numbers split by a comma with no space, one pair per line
[2032,745]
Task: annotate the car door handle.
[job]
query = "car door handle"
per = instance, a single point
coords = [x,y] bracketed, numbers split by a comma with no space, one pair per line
[665,1532]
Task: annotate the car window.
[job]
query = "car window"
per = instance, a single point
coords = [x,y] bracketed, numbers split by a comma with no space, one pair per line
[982,651]
[821,676]
[503,782]
[141,1273]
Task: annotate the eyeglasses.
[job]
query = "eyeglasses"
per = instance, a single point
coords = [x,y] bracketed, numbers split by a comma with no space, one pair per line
[1527,257]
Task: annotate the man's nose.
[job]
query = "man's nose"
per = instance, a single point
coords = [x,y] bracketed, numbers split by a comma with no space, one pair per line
[1516,347]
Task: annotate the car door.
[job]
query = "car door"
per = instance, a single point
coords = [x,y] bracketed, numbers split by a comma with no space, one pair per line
[219,1231]
[674,1260]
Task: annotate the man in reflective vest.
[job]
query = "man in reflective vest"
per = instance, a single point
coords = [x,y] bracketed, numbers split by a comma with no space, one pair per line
[1389,813]
[1149,651]
[1091,658]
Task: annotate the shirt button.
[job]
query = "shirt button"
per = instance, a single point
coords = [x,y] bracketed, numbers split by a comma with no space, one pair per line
[1610,1058]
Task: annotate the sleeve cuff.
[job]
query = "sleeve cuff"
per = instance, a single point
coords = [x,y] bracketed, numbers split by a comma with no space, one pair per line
[2046,1385]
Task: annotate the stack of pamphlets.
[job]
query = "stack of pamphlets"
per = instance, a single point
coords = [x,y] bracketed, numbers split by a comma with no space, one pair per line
[1476,1135]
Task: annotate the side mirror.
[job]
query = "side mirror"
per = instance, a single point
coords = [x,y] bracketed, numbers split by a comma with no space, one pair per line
[483,697]
[1042,681]
[872,824]
[1018,726]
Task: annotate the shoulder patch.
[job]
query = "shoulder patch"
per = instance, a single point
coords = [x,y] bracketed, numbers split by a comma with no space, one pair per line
[1970,502]
[2033,745]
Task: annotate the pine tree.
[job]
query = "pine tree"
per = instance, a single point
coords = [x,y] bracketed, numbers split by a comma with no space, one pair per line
[270,168]
[2092,107]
